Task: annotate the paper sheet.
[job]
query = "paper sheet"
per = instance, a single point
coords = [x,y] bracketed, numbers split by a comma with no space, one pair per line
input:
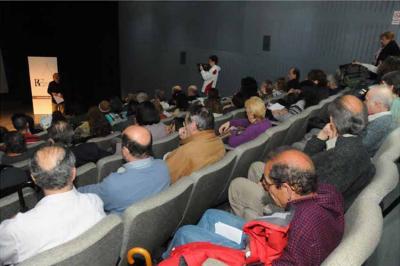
[275,107]
[58,99]
[229,232]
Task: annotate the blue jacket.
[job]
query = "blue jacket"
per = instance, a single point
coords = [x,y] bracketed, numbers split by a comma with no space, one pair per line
[133,182]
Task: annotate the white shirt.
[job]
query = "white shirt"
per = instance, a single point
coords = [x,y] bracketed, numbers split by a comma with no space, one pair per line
[377,115]
[55,220]
[210,77]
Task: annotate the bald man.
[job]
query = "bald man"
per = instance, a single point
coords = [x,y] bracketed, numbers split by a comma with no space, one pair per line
[62,215]
[140,177]
[338,153]
[314,211]
[378,100]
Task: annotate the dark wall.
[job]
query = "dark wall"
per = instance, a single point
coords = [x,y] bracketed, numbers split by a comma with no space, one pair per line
[83,36]
[305,34]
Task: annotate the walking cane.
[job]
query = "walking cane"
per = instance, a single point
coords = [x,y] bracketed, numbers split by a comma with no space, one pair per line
[141,251]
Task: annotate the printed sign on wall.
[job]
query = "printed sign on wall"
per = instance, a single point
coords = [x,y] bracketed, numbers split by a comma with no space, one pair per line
[396,18]
[41,70]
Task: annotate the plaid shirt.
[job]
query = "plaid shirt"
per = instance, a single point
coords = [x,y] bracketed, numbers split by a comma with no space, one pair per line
[316,228]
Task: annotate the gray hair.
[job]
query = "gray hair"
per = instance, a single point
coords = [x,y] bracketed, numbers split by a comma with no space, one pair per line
[61,132]
[346,121]
[382,94]
[201,116]
[58,177]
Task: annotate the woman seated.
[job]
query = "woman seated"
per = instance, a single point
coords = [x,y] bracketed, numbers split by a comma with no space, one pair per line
[96,126]
[265,90]
[192,93]
[148,117]
[243,130]
[213,102]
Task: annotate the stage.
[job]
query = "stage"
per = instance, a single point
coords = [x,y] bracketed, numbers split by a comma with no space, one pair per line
[8,108]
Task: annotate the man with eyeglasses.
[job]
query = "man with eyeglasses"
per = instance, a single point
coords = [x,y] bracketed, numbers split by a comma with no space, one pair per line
[290,180]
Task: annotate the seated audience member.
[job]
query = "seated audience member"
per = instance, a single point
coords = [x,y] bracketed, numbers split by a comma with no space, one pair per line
[142,97]
[392,79]
[175,91]
[237,102]
[293,79]
[98,125]
[338,154]
[111,117]
[131,112]
[15,148]
[160,96]
[61,133]
[213,102]
[249,87]
[295,105]
[62,215]
[315,89]
[192,93]
[148,117]
[117,106]
[163,114]
[332,84]
[290,180]
[57,116]
[378,100]
[391,63]
[244,130]
[3,132]
[265,90]
[21,124]
[280,87]
[141,177]
[199,144]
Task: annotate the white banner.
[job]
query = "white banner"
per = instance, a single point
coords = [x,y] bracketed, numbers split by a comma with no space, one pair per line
[41,70]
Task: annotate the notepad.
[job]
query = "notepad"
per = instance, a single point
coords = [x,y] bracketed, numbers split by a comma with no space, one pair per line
[229,232]
[58,99]
[275,107]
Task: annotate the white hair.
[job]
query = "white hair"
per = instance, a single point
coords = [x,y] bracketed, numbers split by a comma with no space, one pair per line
[381,94]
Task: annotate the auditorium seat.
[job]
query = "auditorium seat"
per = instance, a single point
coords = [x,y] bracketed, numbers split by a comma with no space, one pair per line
[107,165]
[32,147]
[363,230]
[150,223]
[209,182]
[276,136]
[239,113]
[165,145]
[9,205]
[24,165]
[100,245]
[221,120]
[120,126]
[86,175]
[105,143]
[43,135]
[167,121]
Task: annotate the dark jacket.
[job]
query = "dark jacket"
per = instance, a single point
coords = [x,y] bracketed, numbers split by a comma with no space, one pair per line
[88,152]
[347,165]
[391,49]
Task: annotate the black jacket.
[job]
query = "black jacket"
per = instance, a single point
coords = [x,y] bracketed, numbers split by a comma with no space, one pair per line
[347,165]
[391,49]
[88,152]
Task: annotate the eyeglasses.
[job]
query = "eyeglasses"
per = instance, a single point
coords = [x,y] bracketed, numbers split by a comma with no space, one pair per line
[265,183]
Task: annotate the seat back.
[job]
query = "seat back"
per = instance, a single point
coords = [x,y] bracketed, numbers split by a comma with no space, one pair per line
[10,205]
[23,165]
[43,135]
[149,223]
[100,245]
[363,230]
[390,148]
[209,182]
[276,137]
[86,175]
[219,121]
[165,145]
[105,143]
[167,121]
[32,147]
[107,165]
[239,113]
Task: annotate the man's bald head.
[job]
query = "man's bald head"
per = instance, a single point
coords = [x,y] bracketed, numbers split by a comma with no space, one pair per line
[138,141]
[52,167]
[348,114]
[293,167]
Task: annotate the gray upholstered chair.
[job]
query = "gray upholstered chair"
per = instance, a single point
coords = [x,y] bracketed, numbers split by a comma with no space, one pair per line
[32,147]
[239,113]
[276,136]
[209,182]
[167,121]
[24,165]
[165,145]
[86,175]
[363,230]
[100,245]
[105,143]
[221,120]
[9,205]
[390,148]
[151,222]
[107,165]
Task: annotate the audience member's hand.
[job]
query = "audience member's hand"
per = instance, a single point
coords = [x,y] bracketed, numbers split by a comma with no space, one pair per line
[328,132]
[224,127]
[183,133]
